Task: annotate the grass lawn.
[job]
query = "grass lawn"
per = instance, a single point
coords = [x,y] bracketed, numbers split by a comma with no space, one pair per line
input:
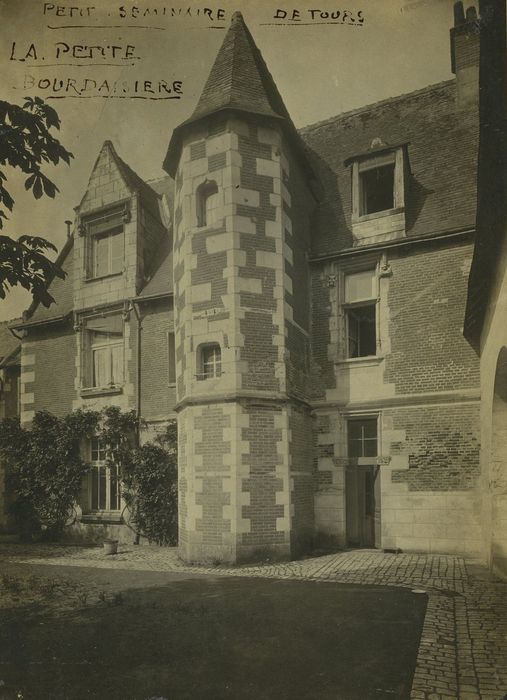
[88,633]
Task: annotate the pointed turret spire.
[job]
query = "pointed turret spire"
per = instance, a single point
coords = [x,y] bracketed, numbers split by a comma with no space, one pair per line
[239,81]
[239,78]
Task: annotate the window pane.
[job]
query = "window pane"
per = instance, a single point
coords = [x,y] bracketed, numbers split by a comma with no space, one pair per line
[94,489]
[102,487]
[211,358]
[359,286]
[362,331]
[369,428]
[116,243]
[211,210]
[369,448]
[114,489]
[95,449]
[100,256]
[116,364]
[362,438]
[377,189]
[101,367]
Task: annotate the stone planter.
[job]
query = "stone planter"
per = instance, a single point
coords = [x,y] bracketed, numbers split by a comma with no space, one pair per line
[110,546]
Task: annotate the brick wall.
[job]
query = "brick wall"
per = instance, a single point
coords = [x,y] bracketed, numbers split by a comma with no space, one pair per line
[158,397]
[440,445]
[48,370]
[426,300]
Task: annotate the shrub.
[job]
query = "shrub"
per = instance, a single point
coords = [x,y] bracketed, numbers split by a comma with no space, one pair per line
[150,488]
[44,468]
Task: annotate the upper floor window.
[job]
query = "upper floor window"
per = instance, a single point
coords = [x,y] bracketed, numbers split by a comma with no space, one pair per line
[207,203]
[376,189]
[105,244]
[104,352]
[107,254]
[379,179]
[361,314]
[210,361]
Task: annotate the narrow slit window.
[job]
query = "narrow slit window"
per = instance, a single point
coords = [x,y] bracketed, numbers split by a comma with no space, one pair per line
[171,351]
[207,203]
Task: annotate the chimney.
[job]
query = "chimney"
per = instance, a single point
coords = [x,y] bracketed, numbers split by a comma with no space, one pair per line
[465,49]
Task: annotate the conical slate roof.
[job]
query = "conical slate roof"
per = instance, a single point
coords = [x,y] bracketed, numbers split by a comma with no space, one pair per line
[239,78]
[238,81]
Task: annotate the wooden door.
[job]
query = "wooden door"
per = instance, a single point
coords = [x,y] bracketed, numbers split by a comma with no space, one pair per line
[363,506]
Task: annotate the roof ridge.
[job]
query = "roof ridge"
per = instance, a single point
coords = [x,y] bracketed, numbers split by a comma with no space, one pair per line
[372,105]
[129,174]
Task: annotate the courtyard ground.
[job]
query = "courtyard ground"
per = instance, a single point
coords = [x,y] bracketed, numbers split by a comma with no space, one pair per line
[351,625]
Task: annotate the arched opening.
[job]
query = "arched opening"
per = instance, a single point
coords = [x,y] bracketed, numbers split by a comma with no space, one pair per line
[498,469]
[207,203]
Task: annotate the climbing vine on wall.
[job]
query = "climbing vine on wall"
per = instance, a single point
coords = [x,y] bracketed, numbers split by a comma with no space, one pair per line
[45,469]
[150,488]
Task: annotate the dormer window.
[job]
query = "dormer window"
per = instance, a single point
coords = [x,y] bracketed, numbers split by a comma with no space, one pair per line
[376,189]
[105,243]
[207,203]
[379,180]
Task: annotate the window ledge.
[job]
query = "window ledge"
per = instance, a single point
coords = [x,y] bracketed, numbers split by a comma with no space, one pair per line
[377,215]
[104,277]
[368,361]
[101,391]
[110,517]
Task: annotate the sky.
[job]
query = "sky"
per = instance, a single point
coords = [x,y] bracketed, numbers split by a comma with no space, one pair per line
[321,69]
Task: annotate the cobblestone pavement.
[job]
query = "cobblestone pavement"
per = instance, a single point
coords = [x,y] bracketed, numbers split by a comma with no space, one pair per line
[463,648]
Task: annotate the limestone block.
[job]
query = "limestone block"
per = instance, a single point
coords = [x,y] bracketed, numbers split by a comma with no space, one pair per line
[269,168]
[201,292]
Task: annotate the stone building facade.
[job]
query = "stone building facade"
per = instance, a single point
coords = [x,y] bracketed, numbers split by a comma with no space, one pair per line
[296,300]
[486,309]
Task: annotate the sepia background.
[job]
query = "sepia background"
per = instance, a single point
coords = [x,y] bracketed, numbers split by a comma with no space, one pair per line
[402,46]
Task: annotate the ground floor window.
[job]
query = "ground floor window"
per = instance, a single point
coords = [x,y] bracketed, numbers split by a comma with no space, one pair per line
[103,480]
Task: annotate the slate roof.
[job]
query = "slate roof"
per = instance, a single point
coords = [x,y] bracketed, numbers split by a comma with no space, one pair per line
[9,345]
[441,143]
[149,196]
[62,290]
[161,281]
[239,80]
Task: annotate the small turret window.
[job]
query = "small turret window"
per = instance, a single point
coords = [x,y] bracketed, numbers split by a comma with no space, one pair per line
[207,203]
[209,361]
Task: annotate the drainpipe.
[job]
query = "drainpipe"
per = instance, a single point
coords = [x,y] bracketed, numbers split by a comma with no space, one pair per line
[133,307]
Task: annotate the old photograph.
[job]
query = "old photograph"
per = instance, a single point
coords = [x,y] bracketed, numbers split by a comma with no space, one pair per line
[253,350]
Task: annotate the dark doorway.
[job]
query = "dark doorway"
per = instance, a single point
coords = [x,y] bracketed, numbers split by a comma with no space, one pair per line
[362,484]
[363,506]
